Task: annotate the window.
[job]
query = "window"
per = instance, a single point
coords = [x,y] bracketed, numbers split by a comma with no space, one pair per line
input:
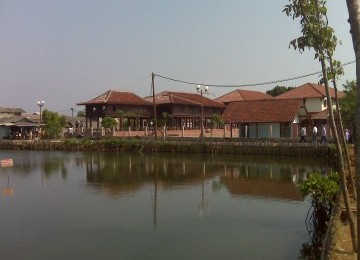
[285,130]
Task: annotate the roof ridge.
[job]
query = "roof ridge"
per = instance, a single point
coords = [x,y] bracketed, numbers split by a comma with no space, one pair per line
[239,91]
[187,100]
[315,88]
[108,95]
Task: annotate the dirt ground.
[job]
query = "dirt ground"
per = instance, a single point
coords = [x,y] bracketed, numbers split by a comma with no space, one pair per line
[341,248]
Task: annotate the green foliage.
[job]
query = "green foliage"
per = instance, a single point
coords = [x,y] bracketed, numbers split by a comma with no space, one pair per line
[165,117]
[108,122]
[81,114]
[278,90]
[217,120]
[53,124]
[348,104]
[321,189]
[316,33]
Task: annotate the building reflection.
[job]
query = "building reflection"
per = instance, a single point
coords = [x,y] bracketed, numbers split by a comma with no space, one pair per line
[117,174]
[8,190]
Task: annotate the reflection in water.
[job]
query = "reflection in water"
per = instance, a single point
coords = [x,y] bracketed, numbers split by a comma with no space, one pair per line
[171,192]
[203,206]
[117,174]
[8,191]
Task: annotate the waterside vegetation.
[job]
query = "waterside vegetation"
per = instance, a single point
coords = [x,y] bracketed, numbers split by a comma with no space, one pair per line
[239,147]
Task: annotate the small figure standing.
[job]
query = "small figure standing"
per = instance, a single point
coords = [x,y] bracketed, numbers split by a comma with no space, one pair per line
[303,134]
[323,135]
[314,134]
[347,136]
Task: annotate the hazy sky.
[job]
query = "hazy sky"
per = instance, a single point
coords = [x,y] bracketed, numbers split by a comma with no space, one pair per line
[68,51]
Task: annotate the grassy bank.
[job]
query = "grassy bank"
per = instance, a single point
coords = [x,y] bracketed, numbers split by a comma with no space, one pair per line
[176,146]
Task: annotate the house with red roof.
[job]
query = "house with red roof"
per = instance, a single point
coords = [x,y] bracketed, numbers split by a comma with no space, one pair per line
[184,109]
[314,108]
[242,95]
[271,118]
[126,107]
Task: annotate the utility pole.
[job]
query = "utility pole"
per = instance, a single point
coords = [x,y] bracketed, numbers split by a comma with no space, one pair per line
[154,104]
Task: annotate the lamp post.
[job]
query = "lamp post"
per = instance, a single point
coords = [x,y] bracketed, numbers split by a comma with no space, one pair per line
[202,90]
[40,104]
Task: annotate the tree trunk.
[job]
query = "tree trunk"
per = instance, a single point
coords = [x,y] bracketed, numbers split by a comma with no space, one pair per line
[340,156]
[354,20]
[342,134]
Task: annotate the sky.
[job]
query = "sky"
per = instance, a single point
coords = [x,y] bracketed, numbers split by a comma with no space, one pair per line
[65,52]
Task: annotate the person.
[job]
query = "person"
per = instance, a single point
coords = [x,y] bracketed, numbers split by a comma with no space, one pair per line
[303,134]
[314,135]
[323,135]
[350,137]
[347,136]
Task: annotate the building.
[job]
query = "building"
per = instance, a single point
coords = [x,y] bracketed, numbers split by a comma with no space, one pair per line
[9,112]
[179,109]
[314,108]
[18,127]
[126,107]
[271,118]
[242,95]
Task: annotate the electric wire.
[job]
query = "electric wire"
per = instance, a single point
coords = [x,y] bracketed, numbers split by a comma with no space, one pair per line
[248,84]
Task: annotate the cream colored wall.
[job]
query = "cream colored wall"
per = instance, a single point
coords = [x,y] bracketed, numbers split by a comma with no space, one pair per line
[314,104]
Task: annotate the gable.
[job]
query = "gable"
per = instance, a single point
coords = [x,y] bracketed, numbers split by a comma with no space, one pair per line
[262,111]
[308,90]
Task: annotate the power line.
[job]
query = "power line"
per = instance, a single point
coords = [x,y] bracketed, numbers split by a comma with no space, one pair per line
[249,84]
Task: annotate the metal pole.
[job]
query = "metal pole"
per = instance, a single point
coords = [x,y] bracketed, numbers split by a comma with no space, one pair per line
[202,116]
[154,104]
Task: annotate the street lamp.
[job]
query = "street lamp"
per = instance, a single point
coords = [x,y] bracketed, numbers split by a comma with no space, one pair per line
[40,104]
[202,90]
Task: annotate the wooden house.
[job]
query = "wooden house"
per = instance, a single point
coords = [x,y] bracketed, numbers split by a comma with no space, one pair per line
[178,109]
[126,107]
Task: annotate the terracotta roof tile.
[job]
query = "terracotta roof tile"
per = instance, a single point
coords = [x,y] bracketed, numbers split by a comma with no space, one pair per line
[320,115]
[167,97]
[242,95]
[308,90]
[117,97]
[262,111]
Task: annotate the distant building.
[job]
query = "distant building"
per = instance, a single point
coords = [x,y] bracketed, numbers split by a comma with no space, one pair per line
[126,107]
[9,112]
[242,95]
[313,110]
[264,118]
[184,109]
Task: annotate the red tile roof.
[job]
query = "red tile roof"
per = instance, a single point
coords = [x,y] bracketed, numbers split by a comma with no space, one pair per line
[117,97]
[167,97]
[320,115]
[242,95]
[308,90]
[262,111]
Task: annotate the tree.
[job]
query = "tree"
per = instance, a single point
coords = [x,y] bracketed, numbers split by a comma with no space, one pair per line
[165,117]
[108,122]
[81,114]
[53,124]
[354,20]
[276,91]
[317,35]
[348,104]
[217,120]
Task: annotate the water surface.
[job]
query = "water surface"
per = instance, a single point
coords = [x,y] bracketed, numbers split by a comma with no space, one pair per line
[102,205]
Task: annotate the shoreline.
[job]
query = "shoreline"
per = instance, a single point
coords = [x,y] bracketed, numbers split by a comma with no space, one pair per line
[209,146]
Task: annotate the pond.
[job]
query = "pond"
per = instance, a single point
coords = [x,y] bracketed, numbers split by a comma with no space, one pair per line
[109,205]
